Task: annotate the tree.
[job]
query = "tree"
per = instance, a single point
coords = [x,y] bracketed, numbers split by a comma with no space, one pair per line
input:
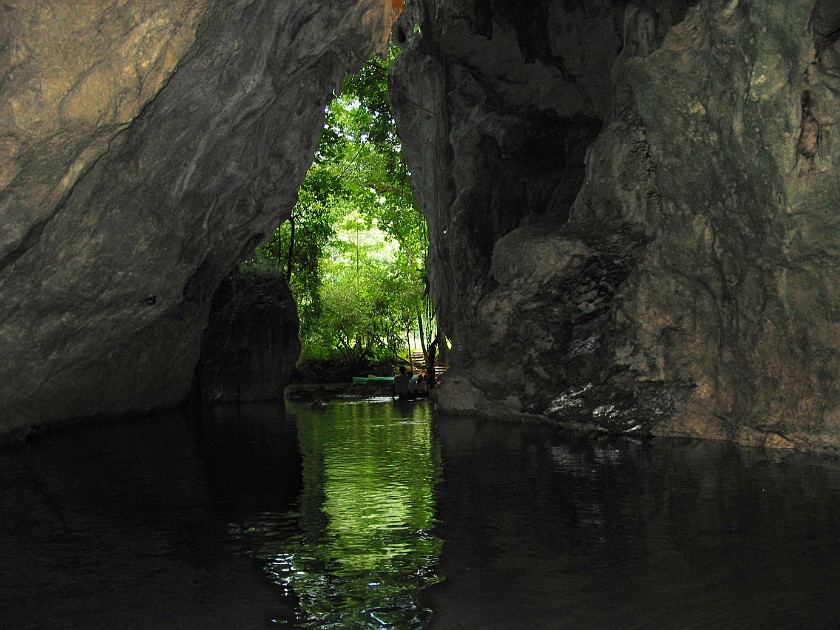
[296,249]
[365,305]
[382,176]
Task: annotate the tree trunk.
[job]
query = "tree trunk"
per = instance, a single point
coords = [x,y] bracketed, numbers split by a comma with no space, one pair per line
[422,337]
[431,381]
[291,250]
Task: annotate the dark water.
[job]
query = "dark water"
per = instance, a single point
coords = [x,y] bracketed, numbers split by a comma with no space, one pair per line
[373,515]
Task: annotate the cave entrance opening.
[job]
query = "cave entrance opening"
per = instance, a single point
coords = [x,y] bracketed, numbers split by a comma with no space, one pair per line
[354,248]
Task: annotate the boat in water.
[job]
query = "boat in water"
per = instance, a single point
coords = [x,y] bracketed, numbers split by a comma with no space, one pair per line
[372,378]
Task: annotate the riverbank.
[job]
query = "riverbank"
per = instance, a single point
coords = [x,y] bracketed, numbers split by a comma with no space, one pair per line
[310,392]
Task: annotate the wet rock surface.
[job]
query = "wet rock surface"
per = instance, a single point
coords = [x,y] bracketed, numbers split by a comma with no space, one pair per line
[147,148]
[674,274]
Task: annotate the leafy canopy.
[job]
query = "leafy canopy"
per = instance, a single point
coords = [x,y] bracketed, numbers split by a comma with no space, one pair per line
[355,247]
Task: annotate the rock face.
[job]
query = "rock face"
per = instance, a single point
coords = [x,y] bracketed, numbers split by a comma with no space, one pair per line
[633,206]
[633,209]
[251,344]
[146,148]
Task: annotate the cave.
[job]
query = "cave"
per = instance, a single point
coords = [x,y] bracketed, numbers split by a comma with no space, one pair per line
[632,205]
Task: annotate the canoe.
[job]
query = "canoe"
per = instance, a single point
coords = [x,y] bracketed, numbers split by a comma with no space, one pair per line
[371,378]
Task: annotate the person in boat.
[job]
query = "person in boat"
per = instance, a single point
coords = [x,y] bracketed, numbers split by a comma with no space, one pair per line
[415,386]
[401,383]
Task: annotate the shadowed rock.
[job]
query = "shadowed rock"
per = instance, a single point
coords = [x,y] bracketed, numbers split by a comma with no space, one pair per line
[250,346]
[662,258]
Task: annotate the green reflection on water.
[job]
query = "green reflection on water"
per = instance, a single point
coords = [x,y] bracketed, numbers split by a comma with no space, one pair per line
[363,548]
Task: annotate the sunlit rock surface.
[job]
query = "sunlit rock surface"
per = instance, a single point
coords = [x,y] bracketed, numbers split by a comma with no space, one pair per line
[145,147]
[634,210]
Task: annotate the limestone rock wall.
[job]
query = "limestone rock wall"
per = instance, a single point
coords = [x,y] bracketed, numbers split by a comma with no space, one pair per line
[146,147]
[251,344]
[632,205]
[634,210]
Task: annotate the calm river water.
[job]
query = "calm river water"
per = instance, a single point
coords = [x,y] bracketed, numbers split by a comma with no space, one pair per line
[370,514]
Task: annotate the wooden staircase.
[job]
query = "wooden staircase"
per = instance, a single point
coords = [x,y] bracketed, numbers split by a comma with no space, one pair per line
[418,362]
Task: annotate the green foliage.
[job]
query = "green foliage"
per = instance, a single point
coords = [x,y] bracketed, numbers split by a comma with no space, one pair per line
[311,225]
[355,247]
[368,304]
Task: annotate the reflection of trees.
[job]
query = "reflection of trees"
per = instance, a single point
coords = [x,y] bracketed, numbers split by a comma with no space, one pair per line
[363,549]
